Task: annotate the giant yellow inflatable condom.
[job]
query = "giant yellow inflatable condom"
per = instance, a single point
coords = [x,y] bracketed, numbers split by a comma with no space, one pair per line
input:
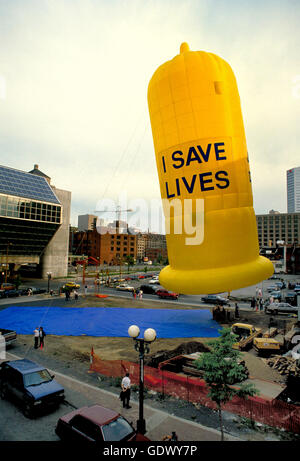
[204,176]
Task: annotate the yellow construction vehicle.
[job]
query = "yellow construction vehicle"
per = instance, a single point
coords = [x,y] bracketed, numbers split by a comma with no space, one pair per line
[266,345]
[246,334]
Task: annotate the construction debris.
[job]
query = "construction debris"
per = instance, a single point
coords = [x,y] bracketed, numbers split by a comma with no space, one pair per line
[284,365]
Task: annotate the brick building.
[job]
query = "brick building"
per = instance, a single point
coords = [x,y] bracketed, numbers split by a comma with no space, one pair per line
[106,248]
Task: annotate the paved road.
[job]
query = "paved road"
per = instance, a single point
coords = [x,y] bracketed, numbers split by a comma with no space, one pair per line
[15,427]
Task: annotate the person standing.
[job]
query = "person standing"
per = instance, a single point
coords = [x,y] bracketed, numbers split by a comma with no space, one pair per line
[141,294]
[85,290]
[125,396]
[75,295]
[42,336]
[236,311]
[36,337]
[253,303]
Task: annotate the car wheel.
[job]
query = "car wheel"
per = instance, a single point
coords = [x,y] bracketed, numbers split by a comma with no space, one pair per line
[3,391]
[28,410]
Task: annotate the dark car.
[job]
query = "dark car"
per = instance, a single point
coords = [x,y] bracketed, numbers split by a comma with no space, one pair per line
[215,299]
[150,289]
[30,384]
[165,294]
[96,424]
[291,298]
[276,308]
[10,293]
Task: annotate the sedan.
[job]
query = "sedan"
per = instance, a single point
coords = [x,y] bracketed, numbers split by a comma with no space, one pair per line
[149,289]
[272,288]
[71,285]
[154,281]
[165,294]
[275,308]
[96,424]
[124,287]
[276,295]
[215,299]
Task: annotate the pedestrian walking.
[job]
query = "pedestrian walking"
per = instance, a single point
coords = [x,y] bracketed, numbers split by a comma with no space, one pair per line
[42,335]
[67,295]
[36,337]
[125,393]
[261,304]
[75,295]
[133,294]
[85,290]
[236,311]
[252,303]
[141,294]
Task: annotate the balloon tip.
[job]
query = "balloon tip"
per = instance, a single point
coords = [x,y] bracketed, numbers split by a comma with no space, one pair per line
[184,47]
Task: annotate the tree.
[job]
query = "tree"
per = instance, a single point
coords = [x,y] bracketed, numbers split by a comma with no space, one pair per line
[222,368]
[129,261]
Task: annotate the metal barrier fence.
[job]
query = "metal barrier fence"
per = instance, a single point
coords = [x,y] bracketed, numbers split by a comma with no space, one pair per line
[273,413]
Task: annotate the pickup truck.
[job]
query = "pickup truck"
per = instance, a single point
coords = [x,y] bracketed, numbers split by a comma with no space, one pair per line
[246,334]
[10,336]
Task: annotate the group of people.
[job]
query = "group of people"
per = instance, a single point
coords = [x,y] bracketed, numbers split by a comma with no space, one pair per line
[257,304]
[39,336]
[68,295]
[138,293]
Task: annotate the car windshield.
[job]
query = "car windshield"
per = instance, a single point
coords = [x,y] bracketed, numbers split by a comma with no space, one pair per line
[119,429]
[36,378]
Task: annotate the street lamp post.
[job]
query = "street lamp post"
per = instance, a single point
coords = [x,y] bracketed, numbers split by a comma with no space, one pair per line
[142,347]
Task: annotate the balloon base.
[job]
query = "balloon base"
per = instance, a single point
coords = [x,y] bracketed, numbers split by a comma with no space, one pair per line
[216,280]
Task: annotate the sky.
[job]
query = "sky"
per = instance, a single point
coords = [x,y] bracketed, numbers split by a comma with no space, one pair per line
[73,90]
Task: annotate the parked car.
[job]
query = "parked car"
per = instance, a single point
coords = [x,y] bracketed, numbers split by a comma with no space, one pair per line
[124,287]
[30,384]
[10,336]
[72,285]
[272,288]
[215,299]
[291,298]
[13,293]
[280,285]
[96,424]
[276,295]
[150,289]
[154,281]
[297,288]
[7,286]
[165,294]
[276,308]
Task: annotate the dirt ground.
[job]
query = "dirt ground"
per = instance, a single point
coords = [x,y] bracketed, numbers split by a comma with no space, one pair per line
[70,348]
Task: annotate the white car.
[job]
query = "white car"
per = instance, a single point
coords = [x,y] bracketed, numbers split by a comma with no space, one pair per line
[154,281]
[124,287]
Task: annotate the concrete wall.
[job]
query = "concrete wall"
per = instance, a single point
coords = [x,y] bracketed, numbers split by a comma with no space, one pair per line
[55,256]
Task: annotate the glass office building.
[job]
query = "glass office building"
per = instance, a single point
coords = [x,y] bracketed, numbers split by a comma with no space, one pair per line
[293,190]
[30,212]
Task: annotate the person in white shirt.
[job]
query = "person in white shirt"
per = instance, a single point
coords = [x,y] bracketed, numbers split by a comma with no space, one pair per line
[125,394]
[36,337]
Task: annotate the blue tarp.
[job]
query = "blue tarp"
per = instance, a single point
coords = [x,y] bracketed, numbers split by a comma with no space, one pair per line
[110,321]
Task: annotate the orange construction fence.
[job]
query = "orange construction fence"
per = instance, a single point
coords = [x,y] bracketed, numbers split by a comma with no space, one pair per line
[274,413]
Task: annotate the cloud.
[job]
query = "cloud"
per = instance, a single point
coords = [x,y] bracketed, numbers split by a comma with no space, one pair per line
[76,76]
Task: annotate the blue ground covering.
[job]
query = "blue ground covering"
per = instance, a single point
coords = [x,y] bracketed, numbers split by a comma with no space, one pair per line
[109,321]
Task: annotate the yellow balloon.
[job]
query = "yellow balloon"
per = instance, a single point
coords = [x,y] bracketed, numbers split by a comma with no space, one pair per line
[204,176]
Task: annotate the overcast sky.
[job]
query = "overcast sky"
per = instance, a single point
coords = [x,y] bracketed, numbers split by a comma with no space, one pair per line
[74,77]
